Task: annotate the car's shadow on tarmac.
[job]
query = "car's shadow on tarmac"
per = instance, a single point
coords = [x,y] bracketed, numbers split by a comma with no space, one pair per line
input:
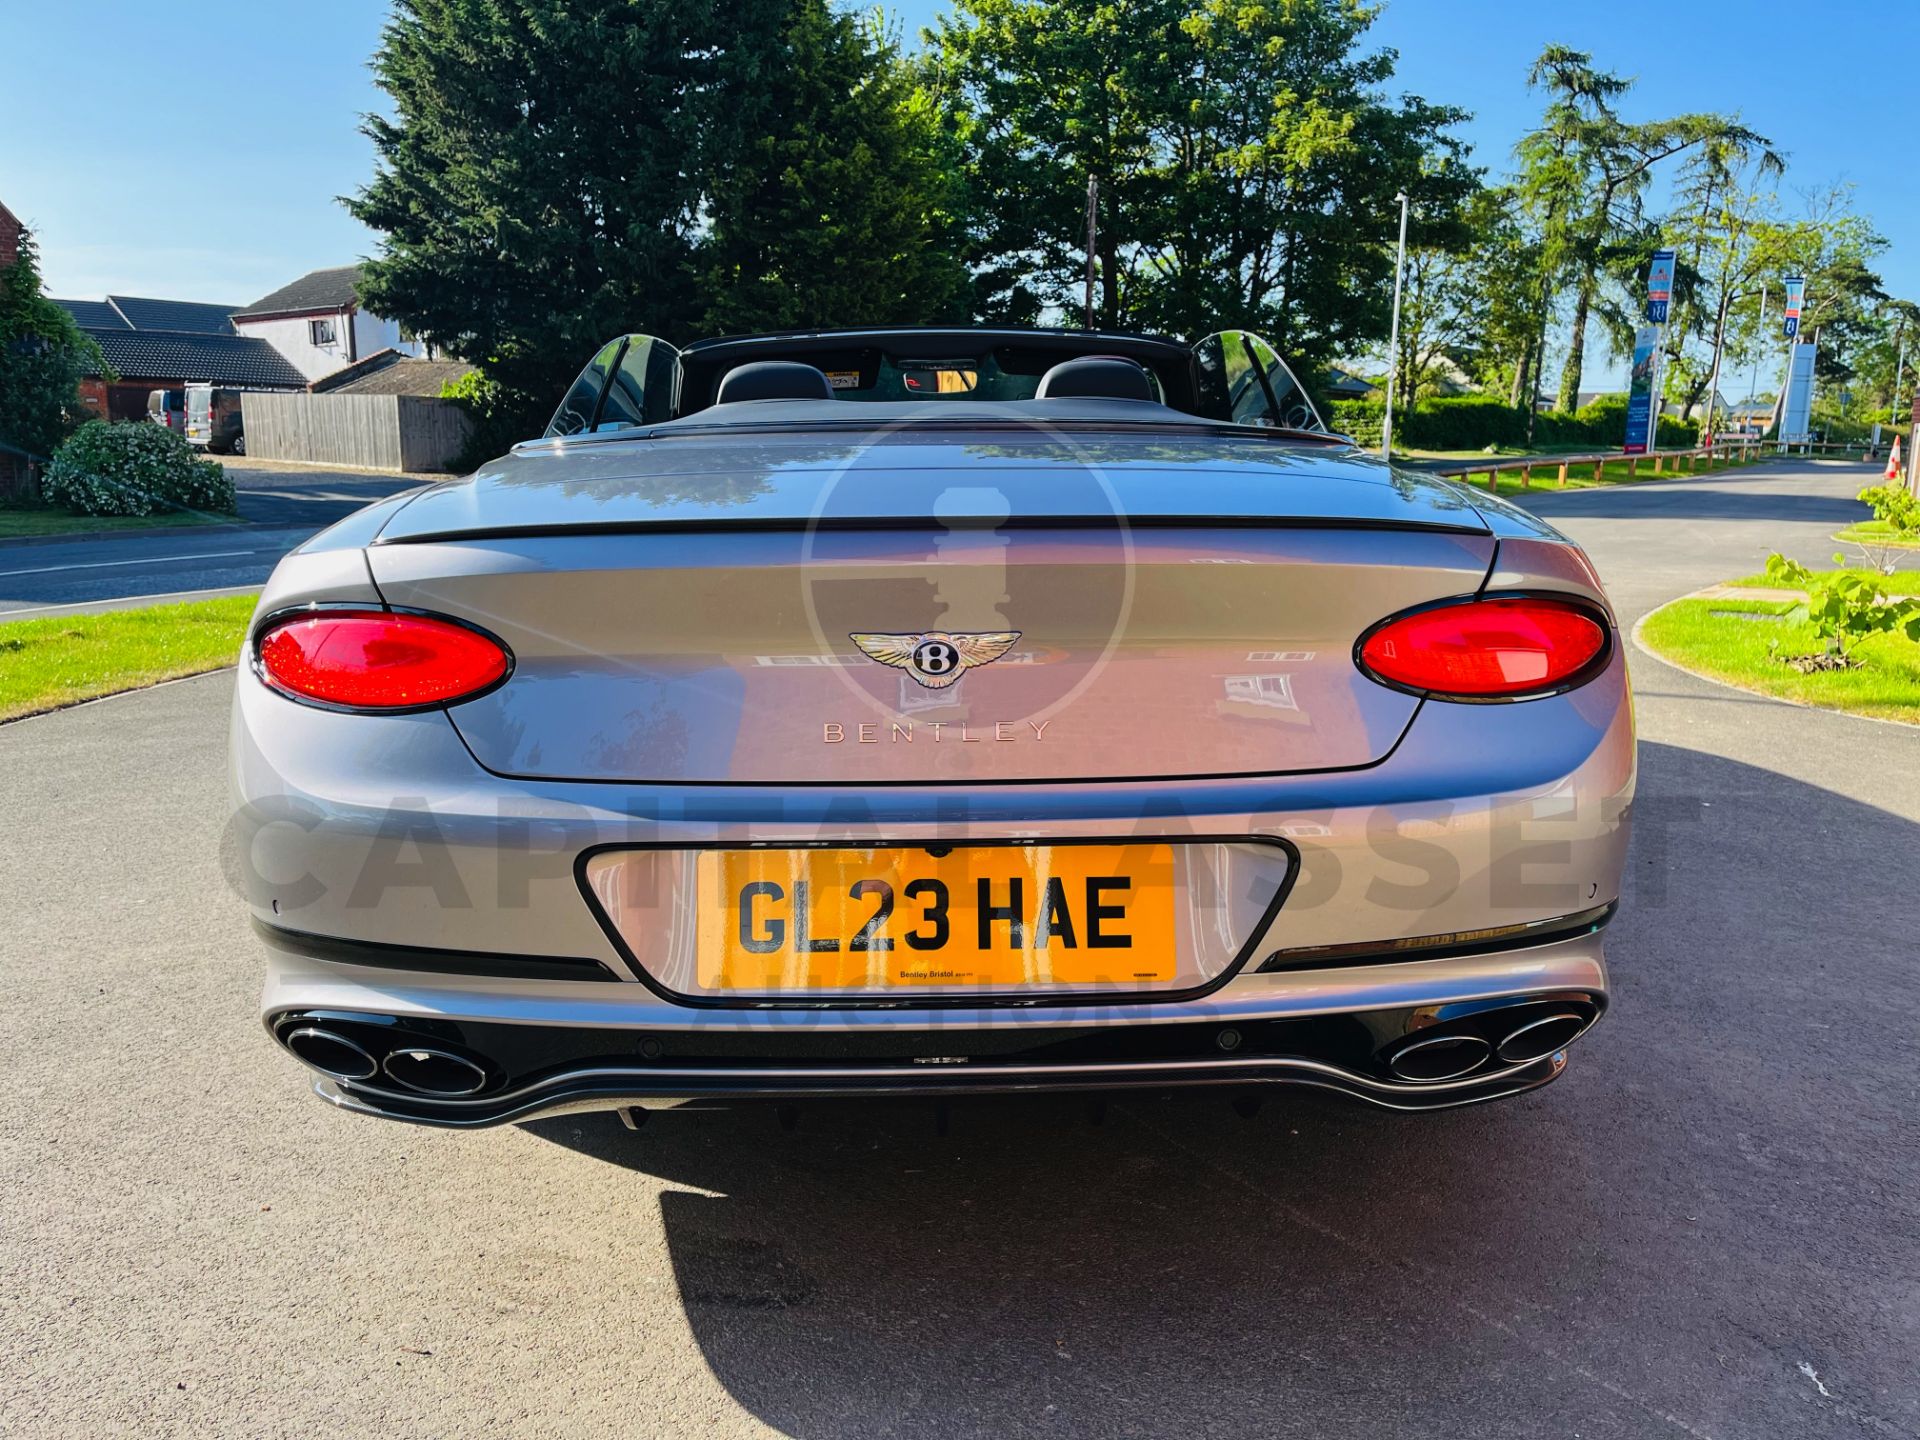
[1629,1244]
[1173,1270]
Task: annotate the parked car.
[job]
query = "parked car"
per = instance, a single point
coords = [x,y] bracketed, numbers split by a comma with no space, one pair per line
[917,712]
[214,421]
[168,408]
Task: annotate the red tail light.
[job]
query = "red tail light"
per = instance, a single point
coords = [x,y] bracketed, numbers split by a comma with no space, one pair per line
[379,660]
[1503,648]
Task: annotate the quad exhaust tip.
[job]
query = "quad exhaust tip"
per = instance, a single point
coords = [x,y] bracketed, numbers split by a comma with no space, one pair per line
[1455,1054]
[436,1072]
[1442,1057]
[1538,1039]
[332,1053]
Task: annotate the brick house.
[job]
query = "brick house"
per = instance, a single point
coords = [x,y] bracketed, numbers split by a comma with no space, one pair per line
[13,464]
[10,232]
[149,360]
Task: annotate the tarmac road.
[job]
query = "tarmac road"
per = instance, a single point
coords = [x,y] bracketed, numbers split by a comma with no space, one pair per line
[1708,1228]
[280,506]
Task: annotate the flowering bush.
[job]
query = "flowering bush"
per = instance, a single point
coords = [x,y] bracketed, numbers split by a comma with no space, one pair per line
[134,468]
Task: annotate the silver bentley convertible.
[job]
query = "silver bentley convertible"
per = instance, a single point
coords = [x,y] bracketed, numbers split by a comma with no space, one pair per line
[929,712]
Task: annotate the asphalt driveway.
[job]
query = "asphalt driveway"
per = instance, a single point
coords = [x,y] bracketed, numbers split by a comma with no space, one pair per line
[1708,1228]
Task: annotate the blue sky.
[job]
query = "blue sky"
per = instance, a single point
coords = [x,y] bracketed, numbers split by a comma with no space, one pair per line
[196,151]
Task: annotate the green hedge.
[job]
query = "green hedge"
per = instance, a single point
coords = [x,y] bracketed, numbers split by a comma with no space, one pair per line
[134,467]
[501,419]
[1473,422]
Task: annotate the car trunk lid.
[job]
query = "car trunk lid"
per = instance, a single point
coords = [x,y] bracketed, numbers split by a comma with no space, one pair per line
[1133,612]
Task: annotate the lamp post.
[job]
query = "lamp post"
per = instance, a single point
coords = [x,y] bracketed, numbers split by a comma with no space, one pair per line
[1093,234]
[1753,383]
[1393,336]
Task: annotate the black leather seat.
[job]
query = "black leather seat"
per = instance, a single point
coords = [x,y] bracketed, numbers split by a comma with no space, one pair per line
[774,380]
[1107,377]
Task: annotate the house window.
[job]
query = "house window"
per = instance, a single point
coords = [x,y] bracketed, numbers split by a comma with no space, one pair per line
[320,332]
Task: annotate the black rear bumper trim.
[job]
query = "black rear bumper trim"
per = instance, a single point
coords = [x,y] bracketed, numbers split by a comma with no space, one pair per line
[441,962]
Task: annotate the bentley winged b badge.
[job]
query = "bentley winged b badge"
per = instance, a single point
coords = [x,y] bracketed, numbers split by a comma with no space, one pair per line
[937,658]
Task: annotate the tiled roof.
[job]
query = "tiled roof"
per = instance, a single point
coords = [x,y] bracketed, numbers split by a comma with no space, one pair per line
[333,289]
[141,312]
[1345,383]
[185,357]
[190,315]
[94,314]
[394,374]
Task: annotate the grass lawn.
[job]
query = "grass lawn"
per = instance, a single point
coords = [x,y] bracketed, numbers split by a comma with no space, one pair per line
[1904,582]
[1728,640]
[1877,532]
[48,663]
[1501,452]
[1546,472]
[16,521]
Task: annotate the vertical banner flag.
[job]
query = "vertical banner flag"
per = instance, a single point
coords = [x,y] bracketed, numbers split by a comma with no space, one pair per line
[1659,286]
[1790,315]
[1640,409]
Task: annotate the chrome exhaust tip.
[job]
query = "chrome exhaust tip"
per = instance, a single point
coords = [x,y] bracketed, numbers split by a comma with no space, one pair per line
[331,1053]
[436,1072]
[1538,1039]
[1439,1057]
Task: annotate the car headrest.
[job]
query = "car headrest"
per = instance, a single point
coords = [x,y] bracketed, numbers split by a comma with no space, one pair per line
[1106,376]
[774,380]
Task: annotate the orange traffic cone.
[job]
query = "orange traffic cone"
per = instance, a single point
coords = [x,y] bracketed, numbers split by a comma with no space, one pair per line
[1893,460]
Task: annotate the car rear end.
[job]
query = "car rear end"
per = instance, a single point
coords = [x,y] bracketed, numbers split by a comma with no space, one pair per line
[575,786]
[202,414]
[213,419]
[168,408]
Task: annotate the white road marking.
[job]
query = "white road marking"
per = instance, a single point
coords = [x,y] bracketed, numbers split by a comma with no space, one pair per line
[150,560]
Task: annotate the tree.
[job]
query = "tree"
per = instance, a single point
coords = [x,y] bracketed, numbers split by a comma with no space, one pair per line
[1889,357]
[1834,248]
[1464,308]
[1586,170]
[837,208]
[1733,245]
[538,186]
[1049,94]
[561,171]
[1245,157]
[43,356]
[1282,176]
[1552,182]
[1504,261]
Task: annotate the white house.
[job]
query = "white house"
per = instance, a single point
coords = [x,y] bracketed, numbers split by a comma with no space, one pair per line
[317,323]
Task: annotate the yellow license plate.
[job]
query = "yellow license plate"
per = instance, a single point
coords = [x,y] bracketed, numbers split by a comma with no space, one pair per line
[976,917]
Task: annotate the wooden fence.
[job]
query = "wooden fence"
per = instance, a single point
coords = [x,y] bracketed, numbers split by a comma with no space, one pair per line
[368,432]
